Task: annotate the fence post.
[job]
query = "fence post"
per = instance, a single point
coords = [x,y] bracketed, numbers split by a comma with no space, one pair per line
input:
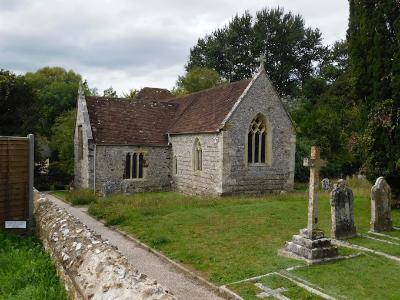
[31,140]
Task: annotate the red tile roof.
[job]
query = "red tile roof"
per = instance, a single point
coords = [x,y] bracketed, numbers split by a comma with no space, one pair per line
[132,122]
[145,122]
[204,111]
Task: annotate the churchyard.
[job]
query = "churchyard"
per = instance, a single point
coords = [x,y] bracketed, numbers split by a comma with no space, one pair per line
[234,242]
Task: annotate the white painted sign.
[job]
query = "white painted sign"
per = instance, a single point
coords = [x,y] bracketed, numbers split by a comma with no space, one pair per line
[15,224]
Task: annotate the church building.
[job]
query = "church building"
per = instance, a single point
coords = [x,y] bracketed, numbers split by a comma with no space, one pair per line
[232,139]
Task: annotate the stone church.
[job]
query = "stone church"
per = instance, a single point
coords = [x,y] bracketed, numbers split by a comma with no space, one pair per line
[231,139]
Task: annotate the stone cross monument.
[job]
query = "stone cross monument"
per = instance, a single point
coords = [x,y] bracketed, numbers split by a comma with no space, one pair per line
[315,164]
[311,244]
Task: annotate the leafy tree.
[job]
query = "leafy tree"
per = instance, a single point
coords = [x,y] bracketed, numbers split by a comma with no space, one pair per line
[374,56]
[374,49]
[62,140]
[381,143]
[291,49]
[110,92]
[18,111]
[56,91]
[132,94]
[197,79]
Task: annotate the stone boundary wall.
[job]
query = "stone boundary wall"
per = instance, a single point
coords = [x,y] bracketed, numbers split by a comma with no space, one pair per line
[90,267]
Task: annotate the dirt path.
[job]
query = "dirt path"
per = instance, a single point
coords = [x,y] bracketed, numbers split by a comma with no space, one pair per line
[182,286]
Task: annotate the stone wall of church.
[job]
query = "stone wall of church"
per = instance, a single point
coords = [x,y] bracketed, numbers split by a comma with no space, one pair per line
[83,168]
[110,168]
[186,179]
[238,175]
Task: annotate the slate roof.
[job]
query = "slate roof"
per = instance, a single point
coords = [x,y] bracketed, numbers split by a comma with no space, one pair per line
[146,122]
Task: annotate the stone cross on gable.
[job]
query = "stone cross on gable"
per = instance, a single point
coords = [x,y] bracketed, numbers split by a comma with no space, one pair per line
[262,61]
[315,164]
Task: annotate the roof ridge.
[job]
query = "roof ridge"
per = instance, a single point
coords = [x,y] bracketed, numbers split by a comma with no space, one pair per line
[131,100]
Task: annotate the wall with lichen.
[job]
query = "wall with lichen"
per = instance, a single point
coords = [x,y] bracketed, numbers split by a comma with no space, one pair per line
[90,267]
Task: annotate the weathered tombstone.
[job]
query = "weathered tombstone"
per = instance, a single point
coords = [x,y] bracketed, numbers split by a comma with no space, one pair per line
[342,211]
[311,243]
[110,188]
[326,185]
[380,206]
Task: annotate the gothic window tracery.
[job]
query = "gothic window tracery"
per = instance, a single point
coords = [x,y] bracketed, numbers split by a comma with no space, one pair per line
[256,141]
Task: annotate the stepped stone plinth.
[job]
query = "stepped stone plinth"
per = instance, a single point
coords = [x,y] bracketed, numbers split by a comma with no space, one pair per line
[311,244]
[313,248]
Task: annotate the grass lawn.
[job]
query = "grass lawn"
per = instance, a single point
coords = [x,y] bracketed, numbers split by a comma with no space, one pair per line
[231,239]
[26,271]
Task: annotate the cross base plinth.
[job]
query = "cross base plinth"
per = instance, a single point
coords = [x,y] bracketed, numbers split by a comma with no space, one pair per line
[312,247]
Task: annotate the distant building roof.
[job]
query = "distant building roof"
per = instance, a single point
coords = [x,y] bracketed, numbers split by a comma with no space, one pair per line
[143,121]
[153,94]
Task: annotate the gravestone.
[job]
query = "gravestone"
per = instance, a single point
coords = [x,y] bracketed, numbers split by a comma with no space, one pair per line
[380,206]
[311,244]
[326,185]
[342,211]
[110,188]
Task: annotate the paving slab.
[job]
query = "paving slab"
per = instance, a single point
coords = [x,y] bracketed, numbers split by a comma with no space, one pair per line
[180,284]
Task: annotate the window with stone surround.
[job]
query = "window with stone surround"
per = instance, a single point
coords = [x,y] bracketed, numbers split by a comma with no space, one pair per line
[176,165]
[134,163]
[258,140]
[197,156]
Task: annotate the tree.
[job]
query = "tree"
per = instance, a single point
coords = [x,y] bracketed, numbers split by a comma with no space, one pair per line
[132,94]
[374,57]
[62,140]
[197,79]
[110,93]
[56,91]
[19,113]
[374,49]
[291,49]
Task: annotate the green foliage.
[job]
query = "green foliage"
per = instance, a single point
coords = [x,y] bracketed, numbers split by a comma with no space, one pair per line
[291,49]
[62,140]
[374,50]
[132,94]
[56,91]
[19,113]
[197,79]
[26,271]
[381,143]
[81,197]
[110,92]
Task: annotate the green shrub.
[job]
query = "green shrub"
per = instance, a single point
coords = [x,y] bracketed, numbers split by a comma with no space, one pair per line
[81,197]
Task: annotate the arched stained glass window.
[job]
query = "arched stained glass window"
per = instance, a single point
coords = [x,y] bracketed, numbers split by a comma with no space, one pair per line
[256,141]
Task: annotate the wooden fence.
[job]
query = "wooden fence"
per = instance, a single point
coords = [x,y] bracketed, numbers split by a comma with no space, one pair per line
[16,182]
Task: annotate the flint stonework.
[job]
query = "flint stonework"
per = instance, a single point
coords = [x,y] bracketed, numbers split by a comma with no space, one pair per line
[380,206]
[342,211]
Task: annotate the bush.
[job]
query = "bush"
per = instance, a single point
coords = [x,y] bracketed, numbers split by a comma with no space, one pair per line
[81,197]
[381,143]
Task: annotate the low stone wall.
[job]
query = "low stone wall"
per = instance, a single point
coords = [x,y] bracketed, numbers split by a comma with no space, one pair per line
[89,265]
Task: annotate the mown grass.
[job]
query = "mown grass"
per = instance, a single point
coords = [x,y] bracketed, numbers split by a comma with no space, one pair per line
[77,197]
[230,239]
[26,271]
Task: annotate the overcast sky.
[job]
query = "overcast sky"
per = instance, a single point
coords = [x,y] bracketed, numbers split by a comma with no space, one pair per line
[131,43]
